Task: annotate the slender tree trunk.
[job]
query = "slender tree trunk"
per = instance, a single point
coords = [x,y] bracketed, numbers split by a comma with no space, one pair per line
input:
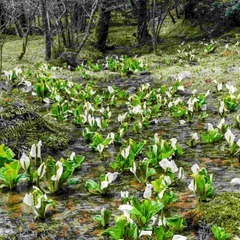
[47,32]
[143,35]
[103,25]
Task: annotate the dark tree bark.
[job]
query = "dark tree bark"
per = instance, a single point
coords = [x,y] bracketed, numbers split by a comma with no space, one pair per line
[46,29]
[79,20]
[143,35]
[189,9]
[103,25]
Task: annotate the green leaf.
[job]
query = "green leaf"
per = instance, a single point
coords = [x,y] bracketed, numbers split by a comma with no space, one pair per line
[93,187]
[6,155]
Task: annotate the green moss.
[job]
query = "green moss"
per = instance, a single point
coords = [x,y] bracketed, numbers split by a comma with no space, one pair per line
[223,210]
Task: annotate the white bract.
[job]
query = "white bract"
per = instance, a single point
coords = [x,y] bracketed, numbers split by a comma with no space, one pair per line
[209,127]
[231,88]
[229,137]
[110,89]
[145,233]
[72,156]
[173,143]
[126,208]
[194,136]
[25,162]
[137,109]
[59,171]
[221,123]
[39,145]
[148,191]
[219,86]
[181,174]
[41,170]
[100,148]
[221,108]
[122,117]
[179,237]
[33,151]
[133,168]
[195,168]
[168,164]
[125,152]
[124,194]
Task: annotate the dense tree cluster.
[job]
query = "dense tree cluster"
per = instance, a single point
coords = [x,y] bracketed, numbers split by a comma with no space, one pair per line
[66,24]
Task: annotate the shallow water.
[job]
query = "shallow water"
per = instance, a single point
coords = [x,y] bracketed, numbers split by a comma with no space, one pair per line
[73,216]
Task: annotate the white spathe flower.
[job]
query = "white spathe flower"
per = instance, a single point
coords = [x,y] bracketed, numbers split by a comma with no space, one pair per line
[111,137]
[209,127]
[91,120]
[179,237]
[17,71]
[229,137]
[125,152]
[207,93]
[194,91]
[167,180]
[191,103]
[181,88]
[25,162]
[122,117]
[235,181]
[33,151]
[162,222]
[231,88]
[194,136]
[126,208]
[173,143]
[39,145]
[41,170]
[192,186]
[160,195]
[195,168]
[221,108]
[100,148]
[98,121]
[182,122]
[181,174]
[137,109]
[155,148]
[148,191]
[111,177]
[156,138]
[168,164]
[104,184]
[59,171]
[110,89]
[221,123]
[133,168]
[238,142]
[124,194]
[8,74]
[28,199]
[72,156]
[145,233]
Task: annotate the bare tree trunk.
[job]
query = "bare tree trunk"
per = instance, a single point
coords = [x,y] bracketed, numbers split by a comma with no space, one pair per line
[103,25]
[143,35]
[46,29]
[154,37]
